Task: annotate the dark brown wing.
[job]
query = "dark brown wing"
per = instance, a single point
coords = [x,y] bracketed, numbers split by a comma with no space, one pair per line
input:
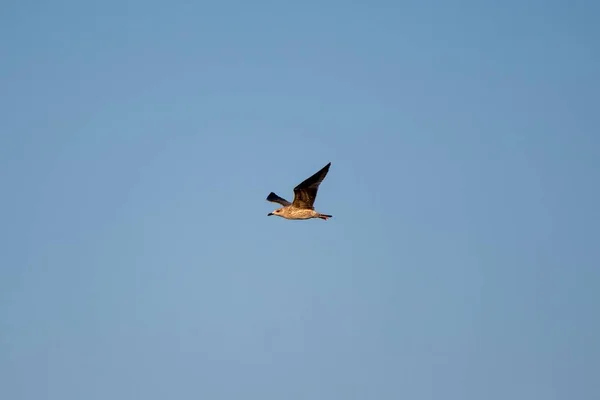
[306,192]
[276,199]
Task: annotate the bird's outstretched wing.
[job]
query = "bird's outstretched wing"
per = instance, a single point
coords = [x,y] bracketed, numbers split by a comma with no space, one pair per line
[306,192]
[276,199]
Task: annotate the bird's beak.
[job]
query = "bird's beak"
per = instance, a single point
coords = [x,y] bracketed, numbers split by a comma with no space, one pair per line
[269,214]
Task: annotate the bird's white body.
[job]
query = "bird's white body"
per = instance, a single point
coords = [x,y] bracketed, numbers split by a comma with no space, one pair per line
[291,212]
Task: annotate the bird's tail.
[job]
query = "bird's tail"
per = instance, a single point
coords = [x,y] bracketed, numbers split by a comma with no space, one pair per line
[324,216]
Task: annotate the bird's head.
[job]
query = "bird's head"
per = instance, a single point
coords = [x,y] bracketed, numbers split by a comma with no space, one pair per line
[276,212]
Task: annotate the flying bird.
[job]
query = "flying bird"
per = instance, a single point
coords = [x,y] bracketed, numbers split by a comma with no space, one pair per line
[304,197]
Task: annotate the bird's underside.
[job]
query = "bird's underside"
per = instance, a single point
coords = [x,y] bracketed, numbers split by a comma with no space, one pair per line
[304,198]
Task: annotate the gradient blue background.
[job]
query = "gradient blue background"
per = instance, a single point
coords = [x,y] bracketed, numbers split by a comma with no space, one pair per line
[140,139]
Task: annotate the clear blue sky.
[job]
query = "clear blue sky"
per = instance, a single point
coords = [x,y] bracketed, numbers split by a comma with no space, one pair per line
[138,141]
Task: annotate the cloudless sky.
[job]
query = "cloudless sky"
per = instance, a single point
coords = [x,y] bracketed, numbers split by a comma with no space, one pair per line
[139,140]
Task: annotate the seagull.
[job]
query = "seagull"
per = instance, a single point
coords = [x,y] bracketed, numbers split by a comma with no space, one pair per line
[304,198]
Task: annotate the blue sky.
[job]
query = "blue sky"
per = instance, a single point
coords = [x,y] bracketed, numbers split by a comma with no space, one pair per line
[140,139]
